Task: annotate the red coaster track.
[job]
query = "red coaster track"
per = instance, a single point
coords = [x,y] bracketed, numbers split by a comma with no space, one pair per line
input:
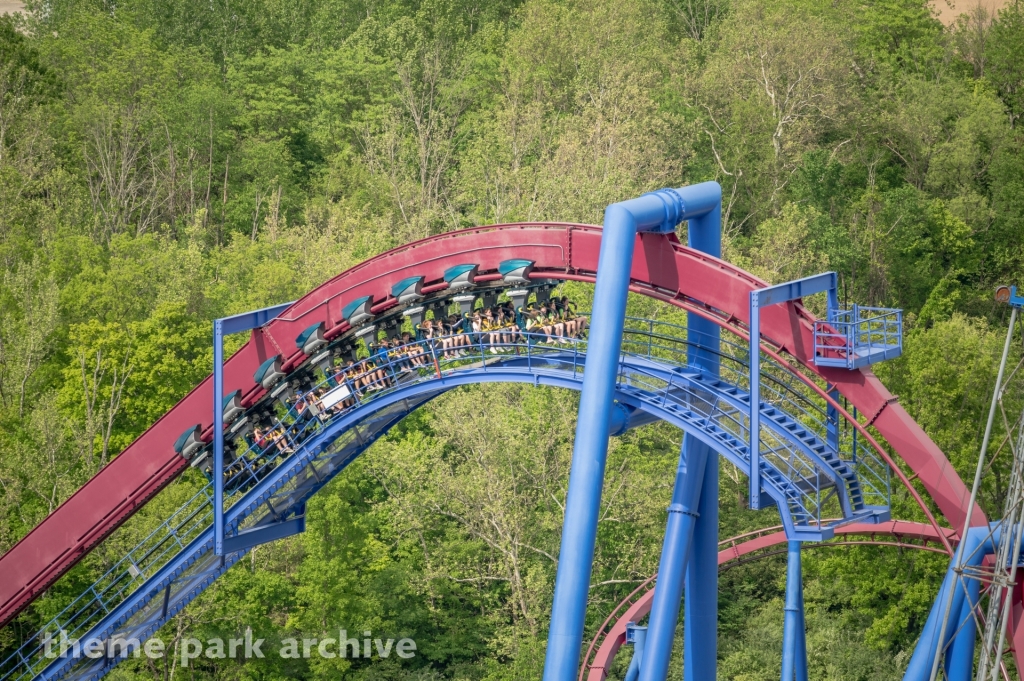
[744,549]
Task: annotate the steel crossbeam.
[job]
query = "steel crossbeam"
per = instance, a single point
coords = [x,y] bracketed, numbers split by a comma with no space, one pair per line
[245,321]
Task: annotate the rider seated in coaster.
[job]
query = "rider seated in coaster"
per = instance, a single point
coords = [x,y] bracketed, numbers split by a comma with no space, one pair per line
[559,325]
[259,439]
[382,361]
[282,441]
[379,353]
[430,331]
[377,374]
[579,322]
[292,405]
[502,333]
[549,325]
[317,396]
[275,439]
[336,374]
[476,325]
[466,322]
[506,323]
[391,357]
[366,374]
[460,339]
[464,328]
[264,464]
[531,319]
[561,315]
[400,354]
[355,382]
[413,350]
[512,330]
[234,476]
[302,410]
[524,316]
[493,320]
[317,399]
[497,328]
[465,334]
[443,332]
[489,324]
[507,318]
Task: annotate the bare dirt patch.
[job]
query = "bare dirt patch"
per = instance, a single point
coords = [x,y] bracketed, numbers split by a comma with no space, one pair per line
[949,10]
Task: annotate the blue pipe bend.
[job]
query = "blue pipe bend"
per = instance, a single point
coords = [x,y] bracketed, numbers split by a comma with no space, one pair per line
[658,212]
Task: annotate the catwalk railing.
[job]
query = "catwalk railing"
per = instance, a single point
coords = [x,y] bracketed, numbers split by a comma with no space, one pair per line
[857,337]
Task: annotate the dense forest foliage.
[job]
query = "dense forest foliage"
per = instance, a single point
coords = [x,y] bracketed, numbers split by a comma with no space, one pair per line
[166,162]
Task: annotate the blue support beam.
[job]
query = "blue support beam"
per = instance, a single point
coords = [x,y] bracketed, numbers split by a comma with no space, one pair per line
[801,640]
[218,437]
[267,533]
[700,626]
[638,637]
[700,622]
[794,636]
[754,422]
[223,327]
[960,658]
[657,212]
[689,554]
[774,295]
[939,630]
[800,288]
[675,550]
[252,319]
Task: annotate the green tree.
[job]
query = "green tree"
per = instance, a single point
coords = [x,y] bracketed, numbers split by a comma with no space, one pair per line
[1002,57]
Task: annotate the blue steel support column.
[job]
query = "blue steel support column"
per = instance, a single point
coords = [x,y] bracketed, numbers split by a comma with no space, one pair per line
[960,658]
[938,633]
[754,420]
[639,643]
[218,437]
[794,646]
[801,653]
[658,212]
[700,628]
[668,591]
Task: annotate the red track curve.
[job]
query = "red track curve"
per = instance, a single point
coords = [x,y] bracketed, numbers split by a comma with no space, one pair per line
[611,639]
[662,268]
